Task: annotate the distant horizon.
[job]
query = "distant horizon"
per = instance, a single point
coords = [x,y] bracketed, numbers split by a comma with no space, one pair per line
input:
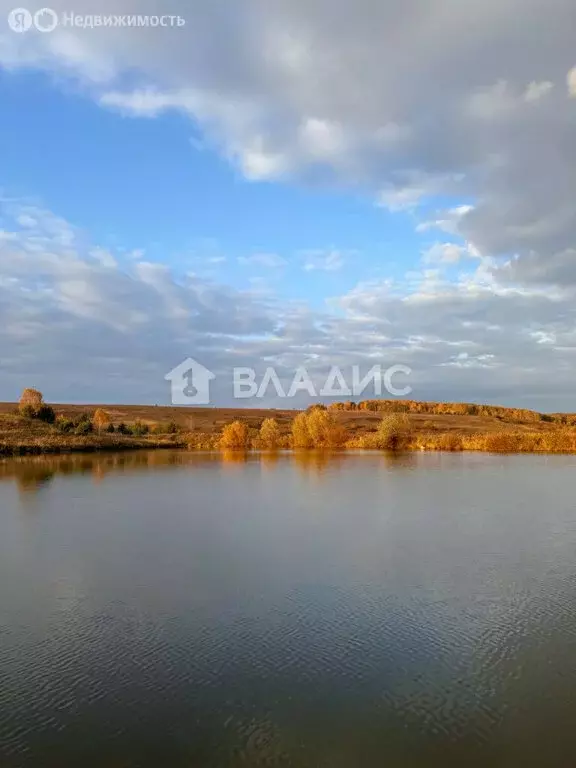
[236,406]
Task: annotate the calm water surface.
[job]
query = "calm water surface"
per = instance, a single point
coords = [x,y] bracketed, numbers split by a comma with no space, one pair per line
[167,610]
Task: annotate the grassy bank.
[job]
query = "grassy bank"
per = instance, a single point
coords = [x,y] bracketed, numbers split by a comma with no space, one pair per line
[370,426]
[28,437]
[79,445]
[394,432]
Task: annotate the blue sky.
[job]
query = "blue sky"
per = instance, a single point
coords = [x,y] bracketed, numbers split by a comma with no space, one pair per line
[155,185]
[301,192]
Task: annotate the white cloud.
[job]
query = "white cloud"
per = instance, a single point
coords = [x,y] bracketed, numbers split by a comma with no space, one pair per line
[445,253]
[571,82]
[400,199]
[449,221]
[88,324]
[322,139]
[537,90]
[324,261]
[25,220]
[494,102]
[266,260]
[104,257]
[374,94]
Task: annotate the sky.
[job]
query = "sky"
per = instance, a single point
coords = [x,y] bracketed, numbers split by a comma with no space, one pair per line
[290,183]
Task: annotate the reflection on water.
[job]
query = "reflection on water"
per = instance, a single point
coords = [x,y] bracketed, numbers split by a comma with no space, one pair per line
[33,479]
[33,474]
[314,609]
[234,457]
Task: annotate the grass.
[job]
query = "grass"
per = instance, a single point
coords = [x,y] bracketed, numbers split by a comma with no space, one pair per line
[22,437]
[421,428]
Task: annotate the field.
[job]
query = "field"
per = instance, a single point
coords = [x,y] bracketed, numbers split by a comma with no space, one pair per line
[212,420]
[171,427]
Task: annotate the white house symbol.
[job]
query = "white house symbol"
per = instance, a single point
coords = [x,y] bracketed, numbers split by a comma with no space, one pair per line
[190,383]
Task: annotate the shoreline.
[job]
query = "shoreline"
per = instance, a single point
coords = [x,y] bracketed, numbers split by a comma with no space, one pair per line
[89,448]
[53,448]
[339,428]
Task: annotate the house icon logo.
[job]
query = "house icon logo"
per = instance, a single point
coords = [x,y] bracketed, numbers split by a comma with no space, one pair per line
[190,383]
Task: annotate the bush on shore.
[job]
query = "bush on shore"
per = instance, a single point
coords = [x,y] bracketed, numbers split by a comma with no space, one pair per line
[31,399]
[301,437]
[203,441]
[235,436]
[65,425]
[101,420]
[325,431]
[317,428]
[269,438]
[139,429]
[170,428]
[84,428]
[394,432]
[32,406]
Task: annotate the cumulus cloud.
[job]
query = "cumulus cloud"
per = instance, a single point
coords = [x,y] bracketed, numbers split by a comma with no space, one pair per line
[445,253]
[467,107]
[410,100]
[87,324]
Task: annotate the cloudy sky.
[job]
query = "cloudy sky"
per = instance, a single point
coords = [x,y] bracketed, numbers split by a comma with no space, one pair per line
[291,183]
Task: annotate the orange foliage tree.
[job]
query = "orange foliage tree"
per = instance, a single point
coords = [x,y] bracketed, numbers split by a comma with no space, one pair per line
[269,436]
[235,436]
[31,398]
[101,420]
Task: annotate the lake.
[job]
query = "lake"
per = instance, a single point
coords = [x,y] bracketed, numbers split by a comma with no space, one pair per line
[312,610]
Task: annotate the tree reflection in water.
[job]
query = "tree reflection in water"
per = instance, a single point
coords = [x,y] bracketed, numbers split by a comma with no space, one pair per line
[34,474]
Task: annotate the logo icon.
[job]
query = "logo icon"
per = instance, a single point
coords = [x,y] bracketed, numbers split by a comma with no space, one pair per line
[190,383]
[46,20]
[20,20]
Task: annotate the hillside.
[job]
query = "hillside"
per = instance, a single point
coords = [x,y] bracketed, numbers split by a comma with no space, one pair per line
[357,422]
[433,426]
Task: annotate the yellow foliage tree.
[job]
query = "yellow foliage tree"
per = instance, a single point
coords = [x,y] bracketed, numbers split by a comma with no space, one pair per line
[270,436]
[31,398]
[317,429]
[394,432]
[101,420]
[235,436]
[324,430]
[301,437]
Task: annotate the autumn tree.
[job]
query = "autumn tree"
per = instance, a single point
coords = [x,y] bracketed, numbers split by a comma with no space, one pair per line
[101,420]
[324,430]
[235,436]
[269,436]
[32,406]
[301,437]
[394,432]
[31,401]
[317,422]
